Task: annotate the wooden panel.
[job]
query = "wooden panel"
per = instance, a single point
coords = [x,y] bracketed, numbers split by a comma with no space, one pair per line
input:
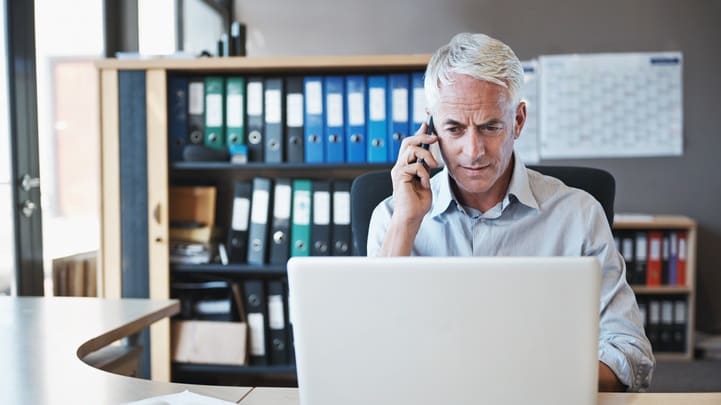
[290,63]
[109,272]
[656,222]
[158,260]
[663,290]
[691,248]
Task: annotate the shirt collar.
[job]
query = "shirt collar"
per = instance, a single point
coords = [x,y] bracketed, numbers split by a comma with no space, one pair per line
[519,187]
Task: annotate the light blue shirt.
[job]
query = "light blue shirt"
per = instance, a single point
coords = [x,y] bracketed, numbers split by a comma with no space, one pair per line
[539,216]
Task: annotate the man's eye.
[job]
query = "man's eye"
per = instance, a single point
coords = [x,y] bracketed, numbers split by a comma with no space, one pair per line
[453,130]
[492,129]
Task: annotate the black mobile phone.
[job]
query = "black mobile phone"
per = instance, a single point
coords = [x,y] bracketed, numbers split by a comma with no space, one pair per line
[430,130]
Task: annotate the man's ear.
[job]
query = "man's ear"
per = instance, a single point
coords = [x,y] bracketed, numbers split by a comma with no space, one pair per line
[520,119]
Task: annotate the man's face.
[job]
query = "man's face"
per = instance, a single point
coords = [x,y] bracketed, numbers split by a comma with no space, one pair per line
[476,126]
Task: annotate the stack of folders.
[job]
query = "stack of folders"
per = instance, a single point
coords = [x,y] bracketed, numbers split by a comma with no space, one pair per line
[273,220]
[665,320]
[355,118]
[261,305]
[654,258]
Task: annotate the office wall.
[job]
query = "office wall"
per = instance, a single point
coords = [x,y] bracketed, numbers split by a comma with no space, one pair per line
[688,185]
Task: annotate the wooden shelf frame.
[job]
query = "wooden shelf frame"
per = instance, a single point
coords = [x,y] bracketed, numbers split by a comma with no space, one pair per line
[160,173]
[670,223]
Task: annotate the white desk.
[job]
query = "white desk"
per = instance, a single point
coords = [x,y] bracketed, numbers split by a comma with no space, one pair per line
[42,340]
[289,396]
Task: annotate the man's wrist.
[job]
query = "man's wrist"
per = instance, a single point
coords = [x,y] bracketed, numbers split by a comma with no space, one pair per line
[400,235]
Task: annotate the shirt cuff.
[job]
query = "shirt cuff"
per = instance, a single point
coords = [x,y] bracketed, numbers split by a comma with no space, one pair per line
[636,377]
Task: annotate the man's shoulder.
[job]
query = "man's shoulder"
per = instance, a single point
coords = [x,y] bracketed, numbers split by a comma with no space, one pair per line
[550,189]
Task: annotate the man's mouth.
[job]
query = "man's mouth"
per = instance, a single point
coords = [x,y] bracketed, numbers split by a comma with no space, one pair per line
[476,168]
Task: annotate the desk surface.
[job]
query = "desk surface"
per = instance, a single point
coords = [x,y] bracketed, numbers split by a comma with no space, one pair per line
[289,396]
[42,340]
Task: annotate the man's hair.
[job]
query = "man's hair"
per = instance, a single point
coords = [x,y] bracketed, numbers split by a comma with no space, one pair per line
[478,56]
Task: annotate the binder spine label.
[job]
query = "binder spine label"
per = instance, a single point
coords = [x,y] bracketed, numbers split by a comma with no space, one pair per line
[257,334]
[341,207]
[241,207]
[400,105]
[377,104]
[356,109]
[255,98]
[335,110]
[234,105]
[195,98]
[272,106]
[321,208]
[214,117]
[281,208]
[301,207]
[295,110]
[276,319]
[259,213]
[314,97]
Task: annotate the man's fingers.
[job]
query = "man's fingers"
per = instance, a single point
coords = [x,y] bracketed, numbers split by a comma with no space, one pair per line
[415,154]
[415,172]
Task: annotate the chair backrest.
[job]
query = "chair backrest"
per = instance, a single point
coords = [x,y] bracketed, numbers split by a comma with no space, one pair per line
[369,189]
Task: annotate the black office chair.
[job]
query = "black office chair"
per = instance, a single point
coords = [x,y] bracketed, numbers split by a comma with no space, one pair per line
[369,189]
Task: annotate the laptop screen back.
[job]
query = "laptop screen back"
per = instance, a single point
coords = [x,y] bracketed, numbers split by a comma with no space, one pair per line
[440,330]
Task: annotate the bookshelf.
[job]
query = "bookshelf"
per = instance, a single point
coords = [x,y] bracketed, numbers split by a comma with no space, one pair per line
[137,174]
[677,296]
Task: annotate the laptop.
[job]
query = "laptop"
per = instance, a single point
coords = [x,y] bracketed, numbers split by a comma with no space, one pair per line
[445,330]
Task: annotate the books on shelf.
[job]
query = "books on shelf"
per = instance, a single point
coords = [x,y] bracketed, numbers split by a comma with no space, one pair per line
[334,119]
[299,217]
[665,319]
[654,257]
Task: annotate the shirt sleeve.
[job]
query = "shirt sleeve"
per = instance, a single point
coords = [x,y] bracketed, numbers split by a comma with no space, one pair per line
[622,344]
[378,226]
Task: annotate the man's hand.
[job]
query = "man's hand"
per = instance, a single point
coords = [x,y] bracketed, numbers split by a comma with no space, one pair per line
[411,193]
[411,180]
[607,380]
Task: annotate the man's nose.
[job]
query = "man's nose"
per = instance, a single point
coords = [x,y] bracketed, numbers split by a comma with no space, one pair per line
[474,147]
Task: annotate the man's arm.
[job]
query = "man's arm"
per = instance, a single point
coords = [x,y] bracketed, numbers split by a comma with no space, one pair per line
[623,347]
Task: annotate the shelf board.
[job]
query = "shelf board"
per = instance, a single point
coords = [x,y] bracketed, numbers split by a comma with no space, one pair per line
[274,63]
[255,167]
[233,370]
[656,222]
[663,290]
[267,270]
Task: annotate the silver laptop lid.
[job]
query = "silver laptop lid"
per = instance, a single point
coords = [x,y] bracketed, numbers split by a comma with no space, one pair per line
[440,330]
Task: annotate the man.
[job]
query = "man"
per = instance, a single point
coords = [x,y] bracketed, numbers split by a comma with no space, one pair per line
[486,203]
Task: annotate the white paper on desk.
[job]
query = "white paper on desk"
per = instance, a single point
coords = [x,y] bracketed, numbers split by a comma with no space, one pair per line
[526,146]
[182,398]
[611,105]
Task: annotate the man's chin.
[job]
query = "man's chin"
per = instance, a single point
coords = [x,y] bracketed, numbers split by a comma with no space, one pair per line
[473,182]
